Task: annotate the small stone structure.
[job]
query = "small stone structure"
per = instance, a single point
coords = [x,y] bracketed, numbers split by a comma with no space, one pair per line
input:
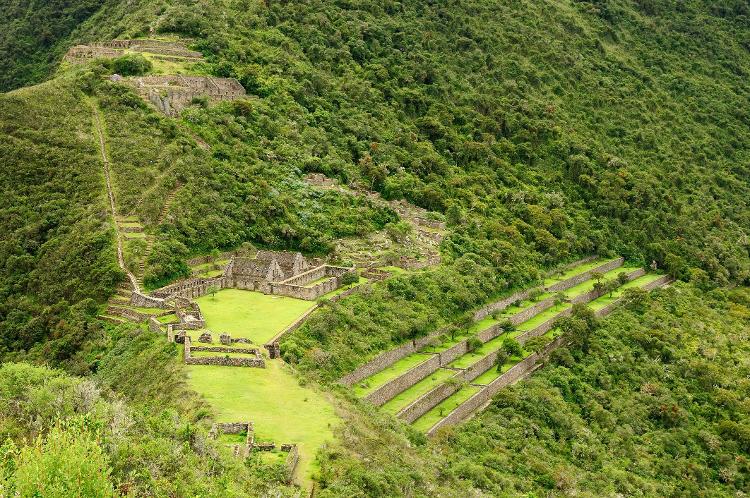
[253,358]
[205,337]
[171,94]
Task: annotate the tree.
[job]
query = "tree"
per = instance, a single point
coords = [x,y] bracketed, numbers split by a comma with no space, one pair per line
[212,289]
[131,65]
[512,347]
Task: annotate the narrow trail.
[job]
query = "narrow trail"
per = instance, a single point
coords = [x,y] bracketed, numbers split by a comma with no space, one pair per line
[111,195]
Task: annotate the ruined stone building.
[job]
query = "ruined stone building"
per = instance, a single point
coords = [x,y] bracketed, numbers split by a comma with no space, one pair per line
[171,94]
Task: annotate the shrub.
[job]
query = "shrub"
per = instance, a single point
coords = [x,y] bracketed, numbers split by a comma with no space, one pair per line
[131,65]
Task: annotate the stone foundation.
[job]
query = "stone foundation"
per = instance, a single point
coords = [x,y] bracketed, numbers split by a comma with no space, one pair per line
[255,361]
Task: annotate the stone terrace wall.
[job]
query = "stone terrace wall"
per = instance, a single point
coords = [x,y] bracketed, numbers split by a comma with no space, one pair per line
[379,396]
[609,308]
[543,328]
[144,301]
[256,361]
[593,294]
[190,288]
[290,464]
[580,278]
[518,371]
[154,325]
[202,260]
[388,358]
[501,304]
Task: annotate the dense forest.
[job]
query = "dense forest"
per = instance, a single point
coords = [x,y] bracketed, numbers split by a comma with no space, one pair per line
[539,131]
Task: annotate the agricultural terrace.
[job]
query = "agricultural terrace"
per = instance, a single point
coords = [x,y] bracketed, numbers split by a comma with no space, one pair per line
[421,390]
[272,398]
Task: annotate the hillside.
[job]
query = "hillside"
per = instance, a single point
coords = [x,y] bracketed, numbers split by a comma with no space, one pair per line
[461,152]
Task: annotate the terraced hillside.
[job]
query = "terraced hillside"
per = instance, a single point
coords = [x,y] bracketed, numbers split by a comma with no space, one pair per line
[427,386]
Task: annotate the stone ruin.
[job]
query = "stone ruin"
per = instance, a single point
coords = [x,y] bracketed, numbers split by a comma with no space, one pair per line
[205,337]
[159,49]
[171,94]
[290,464]
[285,274]
[251,358]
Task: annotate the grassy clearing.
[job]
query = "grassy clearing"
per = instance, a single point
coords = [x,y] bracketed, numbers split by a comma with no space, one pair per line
[205,354]
[134,235]
[167,318]
[472,357]
[603,301]
[426,421]
[251,315]
[317,281]
[424,386]
[576,270]
[271,397]
[390,373]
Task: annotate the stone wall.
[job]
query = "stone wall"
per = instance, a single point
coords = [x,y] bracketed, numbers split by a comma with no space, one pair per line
[255,361]
[594,294]
[660,282]
[154,325]
[544,327]
[582,277]
[202,260]
[386,392]
[128,313]
[501,304]
[189,288]
[517,372]
[144,301]
[290,464]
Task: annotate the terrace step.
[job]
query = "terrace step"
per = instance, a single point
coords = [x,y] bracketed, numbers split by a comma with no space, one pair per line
[111,319]
[527,366]
[438,394]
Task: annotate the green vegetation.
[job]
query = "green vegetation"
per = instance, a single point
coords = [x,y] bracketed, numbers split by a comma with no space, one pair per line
[251,315]
[384,376]
[540,131]
[432,417]
[272,398]
[424,386]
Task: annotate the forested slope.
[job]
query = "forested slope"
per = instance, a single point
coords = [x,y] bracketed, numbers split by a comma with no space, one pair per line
[541,132]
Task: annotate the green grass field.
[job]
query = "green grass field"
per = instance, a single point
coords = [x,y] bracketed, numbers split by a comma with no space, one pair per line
[248,314]
[601,302]
[271,397]
[390,373]
[426,421]
[425,385]
[575,271]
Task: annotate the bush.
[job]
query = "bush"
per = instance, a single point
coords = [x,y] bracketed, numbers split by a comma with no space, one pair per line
[131,65]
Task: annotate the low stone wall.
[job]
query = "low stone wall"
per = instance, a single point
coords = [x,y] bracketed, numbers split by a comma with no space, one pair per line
[154,325]
[501,304]
[388,358]
[190,288]
[202,260]
[532,311]
[594,294]
[290,464]
[128,313]
[256,361]
[582,277]
[453,352]
[568,266]
[144,301]
[660,282]
[544,327]
[517,372]
[396,386]
[225,349]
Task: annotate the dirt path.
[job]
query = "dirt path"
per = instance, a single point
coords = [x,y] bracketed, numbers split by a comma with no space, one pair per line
[105,162]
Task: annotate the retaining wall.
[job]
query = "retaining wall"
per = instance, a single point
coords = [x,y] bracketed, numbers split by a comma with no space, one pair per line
[582,277]
[388,358]
[501,304]
[154,325]
[144,301]
[386,392]
[290,464]
[256,362]
[517,372]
